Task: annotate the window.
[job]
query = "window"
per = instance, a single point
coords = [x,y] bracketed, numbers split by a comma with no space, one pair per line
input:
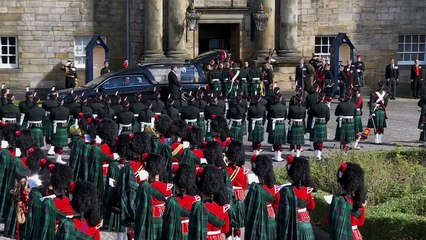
[410,48]
[185,73]
[9,52]
[322,46]
[129,81]
[80,44]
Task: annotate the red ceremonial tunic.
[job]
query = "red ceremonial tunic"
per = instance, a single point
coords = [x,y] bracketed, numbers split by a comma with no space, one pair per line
[272,207]
[357,222]
[177,152]
[304,194]
[107,151]
[223,143]
[238,177]
[63,205]
[186,201]
[158,206]
[215,233]
[137,168]
[83,226]
[24,161]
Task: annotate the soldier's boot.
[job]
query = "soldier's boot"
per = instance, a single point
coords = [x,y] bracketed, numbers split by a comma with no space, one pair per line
[380,138]
[316,153]
[319,155]
[328,104]
[376,140]
[51,150]
[59,159]
[4,144]
[293,153]
[298,153]
[277,156]
[17,152]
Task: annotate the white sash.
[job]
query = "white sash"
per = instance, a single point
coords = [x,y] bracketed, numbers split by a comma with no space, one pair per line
[121,126]
[275,120]
[55,124]
[253,122]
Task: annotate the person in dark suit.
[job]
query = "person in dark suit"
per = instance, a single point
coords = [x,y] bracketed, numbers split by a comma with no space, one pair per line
[416,78]
[174,84]
[301,72]
[351,74]
[392,77]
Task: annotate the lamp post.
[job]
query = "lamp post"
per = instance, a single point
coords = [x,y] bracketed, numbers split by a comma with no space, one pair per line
[261,19]
[192,18]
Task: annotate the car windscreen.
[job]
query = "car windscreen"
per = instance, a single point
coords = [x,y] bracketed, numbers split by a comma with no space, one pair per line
[97,80]
[185,73]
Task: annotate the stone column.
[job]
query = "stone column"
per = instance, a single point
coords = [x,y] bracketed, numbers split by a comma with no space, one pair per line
[265,41]
[288,31]
[176,31]
[153,42]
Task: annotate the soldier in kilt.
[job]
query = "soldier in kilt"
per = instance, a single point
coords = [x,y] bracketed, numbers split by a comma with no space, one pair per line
[170,109]
[357,99]
[378,103]
[220,133]
[347,210]
[176,219]
[146,117]
[24,142]
[320,116]
[238,177]
[296,128]
[25,105]
[59,118]
[236,116]
[260,194]
[226,80]
[201,104]
[234,81]
[212,111]
[35,118]
[255,77]
[191,114]
[345,132]
[125,119]
[216,78]
[277,115]
[244,78]
[256,117]
[295,201]
[50,103]
[209,218]
[311,99]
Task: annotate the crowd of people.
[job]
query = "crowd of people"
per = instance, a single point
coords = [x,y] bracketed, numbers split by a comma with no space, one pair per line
[168,170]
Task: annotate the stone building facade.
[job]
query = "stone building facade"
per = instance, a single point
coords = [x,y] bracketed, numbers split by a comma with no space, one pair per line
[37,37]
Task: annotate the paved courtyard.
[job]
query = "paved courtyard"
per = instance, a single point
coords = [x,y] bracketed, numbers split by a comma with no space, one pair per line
[402,130]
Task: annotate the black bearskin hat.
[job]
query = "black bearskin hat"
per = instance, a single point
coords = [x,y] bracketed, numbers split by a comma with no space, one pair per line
[124,147]
[11,134]
[25,140]
[162,124]
[107,131]
[185,180]
[178,128]
[351,178]
[85,201]
[212,182]
[214,155]
[141,143]
[155,166]
[235,153]
[194,135]
[299,171]
[60,176]
[35,155]
[264,170]
[220,128]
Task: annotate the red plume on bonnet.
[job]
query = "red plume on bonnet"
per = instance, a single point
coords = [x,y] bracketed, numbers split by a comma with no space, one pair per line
[131,136]
[189,127]
[145,156]
[156,116]
[31,150]
[214,116]
[43,162]
[80,114]
[290,159]
[51,167]
[72,187]
[89,120]
[254,158]
[343,167]
[18,133]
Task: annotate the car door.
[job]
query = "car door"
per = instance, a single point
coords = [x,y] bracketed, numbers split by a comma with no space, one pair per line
[128,85]
[191,77]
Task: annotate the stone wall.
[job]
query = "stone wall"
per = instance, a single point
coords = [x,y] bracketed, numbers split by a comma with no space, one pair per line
[372,26]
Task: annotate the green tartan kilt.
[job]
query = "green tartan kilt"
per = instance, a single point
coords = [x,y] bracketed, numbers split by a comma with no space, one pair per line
[253,88]
[319,133]
[245,132]
[47,129]
[244,88]
[157,228]
[346,133]
[379,120]
[201,123]
[60,138]
[136,127]
[38,136]
[216,87]
[256,135]
[305,231]
[278,136]
[237,132]
[233,91]
[272,228]
[296,135]
[237,214]
[358,124]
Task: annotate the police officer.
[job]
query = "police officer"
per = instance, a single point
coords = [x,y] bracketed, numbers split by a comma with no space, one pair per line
[9,112]
[256,116]
[320,115]
[59,116]
[25,105]
[35,116]
[50,103]
[345,132]
[277,114]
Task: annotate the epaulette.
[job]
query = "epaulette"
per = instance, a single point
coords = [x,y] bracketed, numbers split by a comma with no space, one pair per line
[197,198]
[169,186]
[226,208]
[309,189]
[246,171]
[276,189]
